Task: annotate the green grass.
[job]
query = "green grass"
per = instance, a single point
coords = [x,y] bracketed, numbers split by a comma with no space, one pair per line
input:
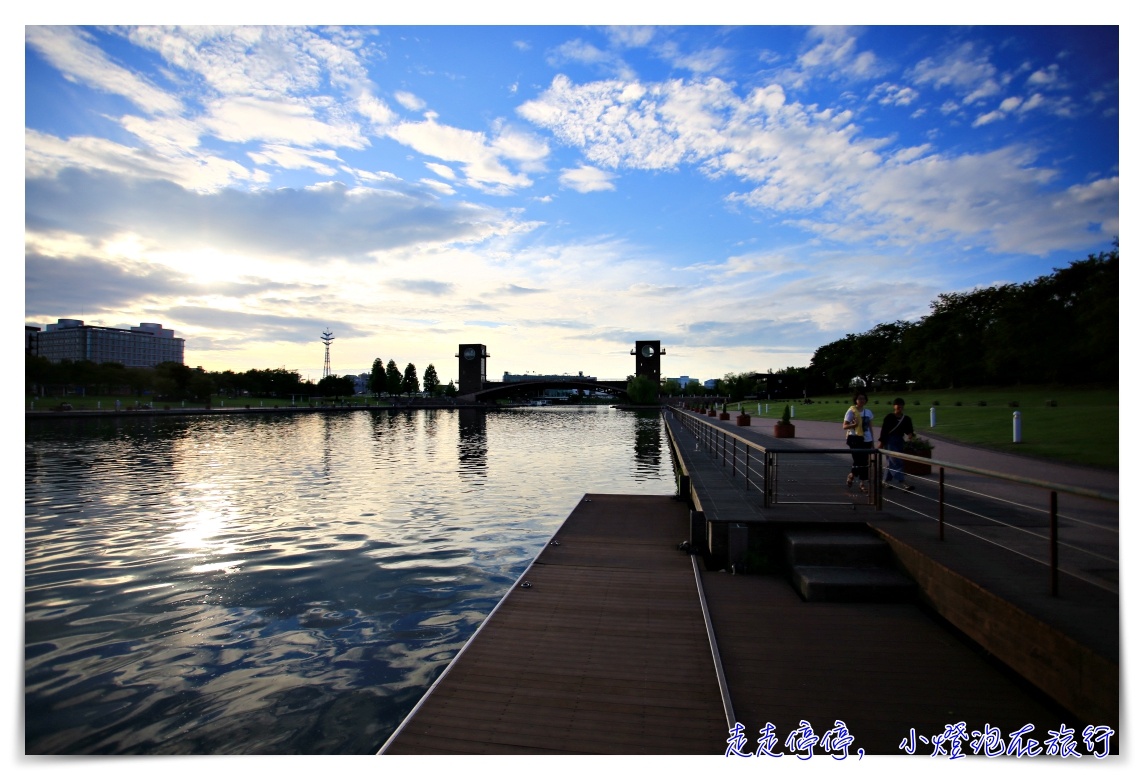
[1082,428]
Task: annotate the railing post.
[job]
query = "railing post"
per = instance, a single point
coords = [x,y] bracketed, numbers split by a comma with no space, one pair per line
[1053,581]
[734,453]
[767,478]
[941,503]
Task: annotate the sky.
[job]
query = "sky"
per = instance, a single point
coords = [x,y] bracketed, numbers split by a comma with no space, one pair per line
[744,194]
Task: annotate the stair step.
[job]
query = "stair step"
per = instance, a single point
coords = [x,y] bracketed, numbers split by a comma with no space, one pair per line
[851,583]
[836,548]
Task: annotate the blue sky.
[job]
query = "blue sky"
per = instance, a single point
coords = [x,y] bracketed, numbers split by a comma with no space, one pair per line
[744,194]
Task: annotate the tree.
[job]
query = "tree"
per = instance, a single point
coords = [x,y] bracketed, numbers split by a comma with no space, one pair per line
[392,379]
[451,389]
[409,384]
[377,377]
[671,387]
[642,390]
[336,386]
[431,382]
[737,386]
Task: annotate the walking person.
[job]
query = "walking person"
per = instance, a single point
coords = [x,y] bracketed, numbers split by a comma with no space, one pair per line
[896,428]
[858,423]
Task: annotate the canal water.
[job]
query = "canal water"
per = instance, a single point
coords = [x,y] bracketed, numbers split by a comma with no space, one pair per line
[256,584]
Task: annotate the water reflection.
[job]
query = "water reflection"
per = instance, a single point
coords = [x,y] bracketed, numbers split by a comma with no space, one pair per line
[472,448]
[284,584]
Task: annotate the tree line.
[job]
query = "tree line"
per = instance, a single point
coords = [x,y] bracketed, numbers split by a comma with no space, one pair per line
[177,382]
[1062,328]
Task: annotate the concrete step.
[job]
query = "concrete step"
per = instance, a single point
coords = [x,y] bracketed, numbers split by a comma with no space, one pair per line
[844,565]
[851,583]
[836,548]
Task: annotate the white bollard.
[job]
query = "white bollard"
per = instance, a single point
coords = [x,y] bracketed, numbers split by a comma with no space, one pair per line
[792,411]
[932,417]
[1016,427]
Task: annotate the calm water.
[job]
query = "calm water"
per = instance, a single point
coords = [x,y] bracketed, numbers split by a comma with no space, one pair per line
[286,585]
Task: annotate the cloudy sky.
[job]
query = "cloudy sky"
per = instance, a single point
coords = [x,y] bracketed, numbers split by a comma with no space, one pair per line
[743,194]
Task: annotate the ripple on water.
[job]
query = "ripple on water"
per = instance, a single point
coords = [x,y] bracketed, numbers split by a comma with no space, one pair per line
[285,585]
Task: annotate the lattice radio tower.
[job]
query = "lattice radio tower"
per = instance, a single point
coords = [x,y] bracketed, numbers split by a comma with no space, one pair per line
[327,337]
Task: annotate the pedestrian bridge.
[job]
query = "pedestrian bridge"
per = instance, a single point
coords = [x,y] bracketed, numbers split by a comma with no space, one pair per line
[493,391]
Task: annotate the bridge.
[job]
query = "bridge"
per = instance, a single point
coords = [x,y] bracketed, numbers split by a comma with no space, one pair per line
[474,386]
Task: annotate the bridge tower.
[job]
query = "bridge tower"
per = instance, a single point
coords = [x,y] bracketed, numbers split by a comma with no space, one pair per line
[471,368]
[647,359]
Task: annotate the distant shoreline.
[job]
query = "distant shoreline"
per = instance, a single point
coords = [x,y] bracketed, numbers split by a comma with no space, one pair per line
[72,414]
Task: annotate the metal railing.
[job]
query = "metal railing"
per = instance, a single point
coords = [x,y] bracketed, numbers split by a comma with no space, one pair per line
[1063,527]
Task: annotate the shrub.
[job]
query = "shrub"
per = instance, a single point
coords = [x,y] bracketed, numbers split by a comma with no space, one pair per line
[1014,404]
[1050,402]
[957,403]
[982,403]
[918,446]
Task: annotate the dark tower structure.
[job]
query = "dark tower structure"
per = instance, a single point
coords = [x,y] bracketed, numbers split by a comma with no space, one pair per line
[327,337]
[471,368]
[647,359]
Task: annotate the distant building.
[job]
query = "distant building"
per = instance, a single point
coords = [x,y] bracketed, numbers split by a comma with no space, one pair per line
[144,346]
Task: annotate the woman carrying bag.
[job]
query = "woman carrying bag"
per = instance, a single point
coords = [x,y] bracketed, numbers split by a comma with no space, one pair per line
[858,425]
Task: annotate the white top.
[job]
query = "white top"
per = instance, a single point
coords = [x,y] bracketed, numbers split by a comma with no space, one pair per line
[865,424]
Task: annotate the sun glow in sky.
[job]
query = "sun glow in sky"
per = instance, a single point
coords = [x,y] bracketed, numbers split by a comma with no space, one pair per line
[744,194]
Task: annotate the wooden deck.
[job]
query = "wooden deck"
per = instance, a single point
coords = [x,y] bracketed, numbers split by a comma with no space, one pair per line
[606,652]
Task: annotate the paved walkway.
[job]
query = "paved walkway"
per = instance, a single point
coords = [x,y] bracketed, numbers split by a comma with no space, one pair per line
[1086,612]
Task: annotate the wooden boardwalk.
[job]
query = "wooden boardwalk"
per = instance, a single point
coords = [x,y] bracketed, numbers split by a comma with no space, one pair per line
[606,652]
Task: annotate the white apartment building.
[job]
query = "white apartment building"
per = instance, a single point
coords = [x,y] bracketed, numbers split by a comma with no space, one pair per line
[144,346]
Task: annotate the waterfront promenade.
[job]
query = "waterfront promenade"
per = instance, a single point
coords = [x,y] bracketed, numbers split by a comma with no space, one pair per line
[576,663]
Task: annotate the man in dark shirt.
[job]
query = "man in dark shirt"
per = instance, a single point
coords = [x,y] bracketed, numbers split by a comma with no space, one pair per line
[895,428]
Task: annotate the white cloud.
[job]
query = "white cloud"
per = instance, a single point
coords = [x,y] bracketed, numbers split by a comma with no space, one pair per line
[472,150]
[835,53]
[893,94]
[444,171]
[409,100]
[801,160]
[46,156]
[963,69]
[78,59]
[587,179]
[293,158]
[243,119]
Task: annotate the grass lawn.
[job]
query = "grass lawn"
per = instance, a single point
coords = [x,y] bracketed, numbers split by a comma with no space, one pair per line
[1083,427]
